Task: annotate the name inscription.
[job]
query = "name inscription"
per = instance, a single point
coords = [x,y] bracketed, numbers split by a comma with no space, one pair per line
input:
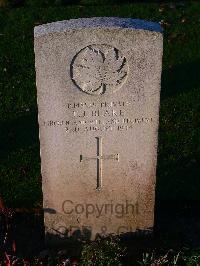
[103,116]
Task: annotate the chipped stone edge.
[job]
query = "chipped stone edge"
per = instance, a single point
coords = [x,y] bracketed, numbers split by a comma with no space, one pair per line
[96,22]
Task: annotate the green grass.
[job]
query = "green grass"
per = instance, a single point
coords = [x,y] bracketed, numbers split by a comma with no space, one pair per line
[179,149]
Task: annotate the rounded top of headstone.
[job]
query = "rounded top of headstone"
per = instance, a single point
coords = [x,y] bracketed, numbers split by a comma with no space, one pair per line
[96,22]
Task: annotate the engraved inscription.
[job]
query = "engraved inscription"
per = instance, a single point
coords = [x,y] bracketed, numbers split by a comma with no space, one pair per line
[99,159]
[99,69]
[98,117]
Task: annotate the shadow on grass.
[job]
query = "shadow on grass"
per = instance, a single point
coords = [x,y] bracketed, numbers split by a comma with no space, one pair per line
[48,3]
[26,230]
[19,133]
[173,231]
[137,1]
[180,78]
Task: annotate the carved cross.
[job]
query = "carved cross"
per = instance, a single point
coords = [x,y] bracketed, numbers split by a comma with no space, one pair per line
[100,157]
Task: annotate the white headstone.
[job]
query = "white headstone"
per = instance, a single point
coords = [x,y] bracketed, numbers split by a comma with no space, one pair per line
[98,86]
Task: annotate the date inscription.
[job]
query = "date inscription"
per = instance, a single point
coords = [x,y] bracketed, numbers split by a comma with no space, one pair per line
[105,116]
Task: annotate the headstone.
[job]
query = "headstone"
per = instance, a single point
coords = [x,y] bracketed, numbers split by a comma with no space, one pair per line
[98,88]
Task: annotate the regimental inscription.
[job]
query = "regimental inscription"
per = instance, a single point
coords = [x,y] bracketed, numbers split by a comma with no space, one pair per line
[99,69]
[100,157]
[98,125]
[97,117]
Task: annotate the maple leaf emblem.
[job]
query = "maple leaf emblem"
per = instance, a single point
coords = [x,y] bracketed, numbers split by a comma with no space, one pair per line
[99,68]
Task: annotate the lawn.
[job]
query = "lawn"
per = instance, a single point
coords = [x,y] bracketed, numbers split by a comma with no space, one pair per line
[178,181]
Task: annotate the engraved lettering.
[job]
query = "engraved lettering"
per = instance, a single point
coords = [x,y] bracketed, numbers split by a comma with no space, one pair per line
[95,113]
[79,114]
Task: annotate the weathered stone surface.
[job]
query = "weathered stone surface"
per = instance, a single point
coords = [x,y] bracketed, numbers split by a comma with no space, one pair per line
[98,86]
